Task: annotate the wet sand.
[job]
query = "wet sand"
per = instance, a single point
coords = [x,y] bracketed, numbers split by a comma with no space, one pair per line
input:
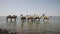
[4,31]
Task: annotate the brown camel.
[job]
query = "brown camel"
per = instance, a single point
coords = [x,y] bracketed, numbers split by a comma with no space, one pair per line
[29,17]
[11,17]
[23,18]
[45,17]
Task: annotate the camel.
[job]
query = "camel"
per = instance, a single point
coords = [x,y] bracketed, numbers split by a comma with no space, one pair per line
[45,17]
[37,18]
[23,17]
[33,18]
[30,18]
[11,17]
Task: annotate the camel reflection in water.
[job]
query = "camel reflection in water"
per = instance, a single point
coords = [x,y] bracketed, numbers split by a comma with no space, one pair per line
[33,23]
[11,24]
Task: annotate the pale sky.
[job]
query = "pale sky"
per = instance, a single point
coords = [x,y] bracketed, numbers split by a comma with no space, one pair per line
[30,7]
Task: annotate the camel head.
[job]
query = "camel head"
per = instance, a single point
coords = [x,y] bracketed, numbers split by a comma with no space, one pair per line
[9,15]
[21,14]
[43,15]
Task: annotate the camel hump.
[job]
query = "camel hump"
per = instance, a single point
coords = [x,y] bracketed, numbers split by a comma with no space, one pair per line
[14,16]
[8,16]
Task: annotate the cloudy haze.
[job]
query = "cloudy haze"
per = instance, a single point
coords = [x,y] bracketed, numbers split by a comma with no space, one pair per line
[39,7]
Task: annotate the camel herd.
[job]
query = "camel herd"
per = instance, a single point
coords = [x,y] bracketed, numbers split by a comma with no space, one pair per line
[28,17]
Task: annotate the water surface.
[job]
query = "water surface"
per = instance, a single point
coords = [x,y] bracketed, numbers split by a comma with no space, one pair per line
[52,25]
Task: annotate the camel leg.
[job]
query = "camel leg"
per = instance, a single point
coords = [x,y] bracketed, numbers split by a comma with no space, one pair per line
[15,19]
[6,19]
[11,19]
[28,20]
[33,20]
[43,19]
[38,19]
[24,20]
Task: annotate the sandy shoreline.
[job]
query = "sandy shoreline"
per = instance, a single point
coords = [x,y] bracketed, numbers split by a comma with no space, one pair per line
[4,31]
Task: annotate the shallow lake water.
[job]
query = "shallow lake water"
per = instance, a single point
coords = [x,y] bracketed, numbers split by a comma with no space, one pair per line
[53,24]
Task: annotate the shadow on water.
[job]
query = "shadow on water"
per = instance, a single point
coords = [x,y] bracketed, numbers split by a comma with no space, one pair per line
[11,25]
[45,25]
[35,26]
[31,25]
